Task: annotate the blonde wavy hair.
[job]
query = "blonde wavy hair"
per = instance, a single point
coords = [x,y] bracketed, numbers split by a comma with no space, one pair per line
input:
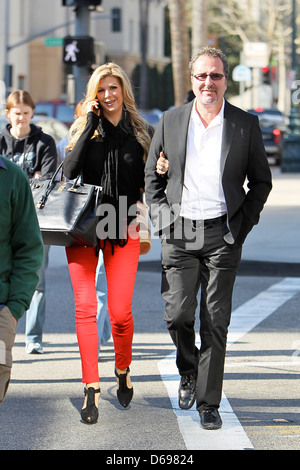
[140,127]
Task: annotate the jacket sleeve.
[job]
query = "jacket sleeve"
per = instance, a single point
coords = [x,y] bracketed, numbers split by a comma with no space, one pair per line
[259,182]
[74,159]
[26,247]
[246,164]
[155,185]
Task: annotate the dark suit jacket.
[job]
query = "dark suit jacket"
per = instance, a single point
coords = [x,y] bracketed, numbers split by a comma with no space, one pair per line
[242,156]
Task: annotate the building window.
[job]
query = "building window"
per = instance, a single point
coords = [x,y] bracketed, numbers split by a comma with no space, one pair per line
[116,20]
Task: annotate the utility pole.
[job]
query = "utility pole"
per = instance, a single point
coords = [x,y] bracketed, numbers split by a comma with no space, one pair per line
[81,73]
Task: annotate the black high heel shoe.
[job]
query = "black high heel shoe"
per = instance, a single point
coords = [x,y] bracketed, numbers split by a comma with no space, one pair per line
[90,413]
[124,393]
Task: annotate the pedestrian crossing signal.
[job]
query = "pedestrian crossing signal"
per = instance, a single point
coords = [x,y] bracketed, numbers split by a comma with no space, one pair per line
[266,73]
[78,50]
[84,3]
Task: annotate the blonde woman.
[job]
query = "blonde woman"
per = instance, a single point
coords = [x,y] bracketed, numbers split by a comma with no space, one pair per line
[108,146]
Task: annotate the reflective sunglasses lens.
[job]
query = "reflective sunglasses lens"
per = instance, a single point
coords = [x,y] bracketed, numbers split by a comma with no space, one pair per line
[214,76]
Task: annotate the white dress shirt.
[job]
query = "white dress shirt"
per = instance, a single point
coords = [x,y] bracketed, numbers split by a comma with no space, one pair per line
[202,195]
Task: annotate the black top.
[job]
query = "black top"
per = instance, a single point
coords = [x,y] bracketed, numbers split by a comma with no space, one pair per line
[114,161]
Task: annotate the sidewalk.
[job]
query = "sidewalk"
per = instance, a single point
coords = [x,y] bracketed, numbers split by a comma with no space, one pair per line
[273,246]
[277,236]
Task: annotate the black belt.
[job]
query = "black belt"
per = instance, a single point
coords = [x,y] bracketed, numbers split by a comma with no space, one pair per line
[208,223]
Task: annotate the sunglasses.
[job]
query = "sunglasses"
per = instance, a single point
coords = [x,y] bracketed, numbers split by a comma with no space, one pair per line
[203,76]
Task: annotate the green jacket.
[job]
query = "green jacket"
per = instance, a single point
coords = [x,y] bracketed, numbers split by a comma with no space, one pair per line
[21,246]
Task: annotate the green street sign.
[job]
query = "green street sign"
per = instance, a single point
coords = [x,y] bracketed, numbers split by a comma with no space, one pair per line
[54,42]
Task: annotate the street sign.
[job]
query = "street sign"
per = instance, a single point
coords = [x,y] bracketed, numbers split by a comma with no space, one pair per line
[241,73]
[54,42]
[78,50]
[256,54]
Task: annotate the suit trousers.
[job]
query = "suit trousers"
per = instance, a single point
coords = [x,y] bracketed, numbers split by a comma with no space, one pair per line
[207,264]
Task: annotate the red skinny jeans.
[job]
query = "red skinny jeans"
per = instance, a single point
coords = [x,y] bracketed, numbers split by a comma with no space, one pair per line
[121,268]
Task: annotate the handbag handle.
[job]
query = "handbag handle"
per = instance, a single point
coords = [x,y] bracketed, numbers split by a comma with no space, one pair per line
[41,203]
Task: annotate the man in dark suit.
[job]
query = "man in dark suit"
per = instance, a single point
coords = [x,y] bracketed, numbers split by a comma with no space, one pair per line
[201,155]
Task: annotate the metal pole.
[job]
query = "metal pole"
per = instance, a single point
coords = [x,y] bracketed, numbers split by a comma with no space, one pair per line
[81,73]
[293,110]
[6,40]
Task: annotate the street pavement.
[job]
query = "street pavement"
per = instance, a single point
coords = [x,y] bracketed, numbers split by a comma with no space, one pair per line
[261,403]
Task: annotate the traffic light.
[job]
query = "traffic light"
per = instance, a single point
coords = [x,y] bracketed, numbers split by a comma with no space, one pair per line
[266,75]
[81,3]
[78,50]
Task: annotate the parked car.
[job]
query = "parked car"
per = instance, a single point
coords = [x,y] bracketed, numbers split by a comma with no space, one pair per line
[273,127]
[56,109]
[152,116]
[58,130]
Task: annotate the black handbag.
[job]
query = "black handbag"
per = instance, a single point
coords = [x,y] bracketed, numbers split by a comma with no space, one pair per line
[66,211]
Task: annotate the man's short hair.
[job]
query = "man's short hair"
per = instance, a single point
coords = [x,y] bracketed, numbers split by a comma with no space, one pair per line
[211,52]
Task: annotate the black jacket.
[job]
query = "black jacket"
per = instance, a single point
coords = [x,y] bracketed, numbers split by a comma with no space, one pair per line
[35,152]
[243,157]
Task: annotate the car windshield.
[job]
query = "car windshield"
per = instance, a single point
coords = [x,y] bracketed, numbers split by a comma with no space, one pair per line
[267,118]
[64,113]
[61,111]
[151,118]
[44,109]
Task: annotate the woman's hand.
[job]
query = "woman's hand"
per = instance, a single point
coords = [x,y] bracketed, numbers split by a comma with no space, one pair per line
[93,106]
[162,164]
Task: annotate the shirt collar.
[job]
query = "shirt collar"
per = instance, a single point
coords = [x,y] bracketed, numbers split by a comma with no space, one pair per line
[2,164]
[218,119]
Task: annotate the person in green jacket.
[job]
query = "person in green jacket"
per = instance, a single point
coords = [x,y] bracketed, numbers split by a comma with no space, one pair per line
[21,255]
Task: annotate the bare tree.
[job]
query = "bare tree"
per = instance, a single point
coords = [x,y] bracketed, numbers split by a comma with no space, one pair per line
[179,50]
[250,21]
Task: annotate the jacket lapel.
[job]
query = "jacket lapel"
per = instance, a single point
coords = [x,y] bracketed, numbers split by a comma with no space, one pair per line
[228,132]
[184,120]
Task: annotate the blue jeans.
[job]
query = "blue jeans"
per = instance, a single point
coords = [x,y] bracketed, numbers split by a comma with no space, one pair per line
[35,315]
